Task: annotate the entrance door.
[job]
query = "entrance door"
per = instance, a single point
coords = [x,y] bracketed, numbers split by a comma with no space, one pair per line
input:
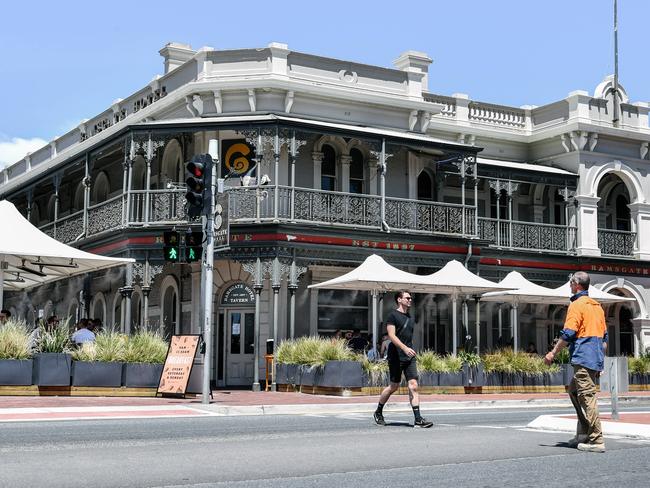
[240,347]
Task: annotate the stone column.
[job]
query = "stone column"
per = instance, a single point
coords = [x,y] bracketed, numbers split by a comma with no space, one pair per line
[587,219]
[317,158]
[147,199]
[275,285]
[640,216]
[345,173]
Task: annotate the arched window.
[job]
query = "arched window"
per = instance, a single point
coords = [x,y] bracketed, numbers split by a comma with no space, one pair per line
[98,309]
[328,169]
[626,330]
[136,311]
[170,307]
[101,188]
[138,174]
[622,213]
[117,311]
[425,186]
[356,171]
[51,205]
[79,196]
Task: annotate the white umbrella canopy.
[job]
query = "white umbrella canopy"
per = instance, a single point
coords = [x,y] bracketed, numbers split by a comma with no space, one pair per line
[375,274]
[30,258]
[455,279]
[595,293]
[525,292]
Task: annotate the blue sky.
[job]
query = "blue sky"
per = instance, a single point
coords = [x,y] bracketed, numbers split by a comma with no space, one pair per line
[66,61]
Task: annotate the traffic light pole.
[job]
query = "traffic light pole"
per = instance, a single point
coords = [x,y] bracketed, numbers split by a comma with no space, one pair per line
[208,263]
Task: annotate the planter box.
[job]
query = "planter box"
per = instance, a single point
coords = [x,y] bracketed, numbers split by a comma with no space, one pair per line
[473,375]
[52,369]
[340,373]
[554,379]
[141,375]
[533,379]
[513,379]
[450,379]
[16,372]
[287,374]
[639,378]
[567,370]
[307,375]
[492,379]
[95,373]
[428,378]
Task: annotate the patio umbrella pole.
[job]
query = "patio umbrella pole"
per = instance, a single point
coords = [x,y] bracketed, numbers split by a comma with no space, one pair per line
[2,280]
[454,300]
[478,325]
[374,319]
[515,335]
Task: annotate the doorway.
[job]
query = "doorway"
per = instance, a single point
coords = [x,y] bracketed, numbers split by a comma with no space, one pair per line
[239,345]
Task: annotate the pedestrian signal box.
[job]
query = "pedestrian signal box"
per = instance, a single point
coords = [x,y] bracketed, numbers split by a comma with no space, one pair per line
[172,248]
[193,246]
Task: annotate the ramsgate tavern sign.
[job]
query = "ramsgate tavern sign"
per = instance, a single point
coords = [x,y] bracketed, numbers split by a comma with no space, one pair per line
[238,294]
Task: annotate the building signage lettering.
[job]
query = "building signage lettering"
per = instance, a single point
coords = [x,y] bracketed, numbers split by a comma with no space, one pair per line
[620,268]
[238,294]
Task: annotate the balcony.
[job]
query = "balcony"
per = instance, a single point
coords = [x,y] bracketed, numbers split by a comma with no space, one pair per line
[616,242]
[337,210]
[528,235]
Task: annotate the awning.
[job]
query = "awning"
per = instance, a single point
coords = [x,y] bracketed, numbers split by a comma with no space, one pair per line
[524,166]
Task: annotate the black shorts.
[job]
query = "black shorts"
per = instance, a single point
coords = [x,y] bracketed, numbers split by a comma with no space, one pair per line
[396,367]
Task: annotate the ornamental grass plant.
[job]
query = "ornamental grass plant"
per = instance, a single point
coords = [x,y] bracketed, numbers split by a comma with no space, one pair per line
[109,346]
[430,362]
[640,365]
[377,371]
[510,362]
[313,351]
[56,339]
[15,340]
[146,346]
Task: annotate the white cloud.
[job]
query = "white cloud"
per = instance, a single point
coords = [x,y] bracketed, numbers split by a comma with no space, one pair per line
[14,149]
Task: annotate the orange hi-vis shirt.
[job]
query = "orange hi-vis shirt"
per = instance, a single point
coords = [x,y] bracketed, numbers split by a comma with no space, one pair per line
[586,330]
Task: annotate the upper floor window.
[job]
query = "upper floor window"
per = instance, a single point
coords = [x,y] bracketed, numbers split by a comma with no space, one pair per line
[356,171]
[622,213]
[425,186]
[328,169]
[502,199]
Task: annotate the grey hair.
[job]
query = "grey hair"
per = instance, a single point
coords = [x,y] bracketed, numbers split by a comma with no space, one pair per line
[581,279]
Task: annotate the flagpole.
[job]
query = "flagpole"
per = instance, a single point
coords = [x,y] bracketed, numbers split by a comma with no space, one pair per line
[615,117]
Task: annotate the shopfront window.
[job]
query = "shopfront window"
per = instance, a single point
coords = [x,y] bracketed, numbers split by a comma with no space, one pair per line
[339,309]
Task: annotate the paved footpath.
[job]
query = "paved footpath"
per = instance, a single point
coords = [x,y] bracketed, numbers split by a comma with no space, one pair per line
[241,402]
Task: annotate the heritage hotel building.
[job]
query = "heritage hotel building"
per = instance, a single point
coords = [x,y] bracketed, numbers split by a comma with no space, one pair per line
[361,159]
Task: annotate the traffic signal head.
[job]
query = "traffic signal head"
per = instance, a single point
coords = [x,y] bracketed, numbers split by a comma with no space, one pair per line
[172,247]
[193,246]
[198,178]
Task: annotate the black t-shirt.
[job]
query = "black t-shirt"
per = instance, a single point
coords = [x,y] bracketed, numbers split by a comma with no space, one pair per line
[403,330]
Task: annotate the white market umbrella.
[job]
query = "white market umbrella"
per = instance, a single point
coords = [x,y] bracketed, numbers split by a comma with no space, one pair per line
[455,279]
[595,293]
[30,258]
[376,275]
[525,292]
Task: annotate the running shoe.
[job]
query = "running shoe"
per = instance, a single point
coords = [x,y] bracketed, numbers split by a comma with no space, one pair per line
[379,418]
[422,422]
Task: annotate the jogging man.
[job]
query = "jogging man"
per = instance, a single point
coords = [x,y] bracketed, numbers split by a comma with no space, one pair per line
[401,359]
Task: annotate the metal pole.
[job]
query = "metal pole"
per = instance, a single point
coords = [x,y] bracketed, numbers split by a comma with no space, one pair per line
[462,196]
[208,258]
[615,117]
[515,332]
[293,176]
[276,192]
[258,289]
[382,183]
[375,327]
[478,325]
[454,320]
[613,387]
[2,280]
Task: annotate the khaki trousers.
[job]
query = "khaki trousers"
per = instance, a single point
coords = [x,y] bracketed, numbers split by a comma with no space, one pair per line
[582,391]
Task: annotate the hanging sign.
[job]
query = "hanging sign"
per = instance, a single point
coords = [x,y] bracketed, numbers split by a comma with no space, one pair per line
[237,156]
[238,294]
[221,222]
[178,364]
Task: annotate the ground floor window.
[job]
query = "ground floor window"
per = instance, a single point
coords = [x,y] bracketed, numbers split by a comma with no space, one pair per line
[342,309]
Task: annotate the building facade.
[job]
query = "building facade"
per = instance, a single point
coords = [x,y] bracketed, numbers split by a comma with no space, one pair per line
[355,159]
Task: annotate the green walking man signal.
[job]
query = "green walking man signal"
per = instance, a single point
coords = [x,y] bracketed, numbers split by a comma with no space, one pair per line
[172,246]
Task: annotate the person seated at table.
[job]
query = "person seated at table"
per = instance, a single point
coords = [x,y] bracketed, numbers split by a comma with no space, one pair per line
[531,349]
[82,334]
[358,343]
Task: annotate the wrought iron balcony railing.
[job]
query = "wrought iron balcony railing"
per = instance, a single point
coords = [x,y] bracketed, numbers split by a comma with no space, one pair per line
[528,235]
[336,209]
[616,242]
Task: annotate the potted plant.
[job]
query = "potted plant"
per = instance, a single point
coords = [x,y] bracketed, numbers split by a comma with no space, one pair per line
[100,363]
[286,368]
[473,374]
[639,370]
[15,354]
[52,360]
[144,357]
[453,373]
[430,366]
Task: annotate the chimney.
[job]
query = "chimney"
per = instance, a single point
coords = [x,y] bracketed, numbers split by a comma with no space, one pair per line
[176,54]
[415,62]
